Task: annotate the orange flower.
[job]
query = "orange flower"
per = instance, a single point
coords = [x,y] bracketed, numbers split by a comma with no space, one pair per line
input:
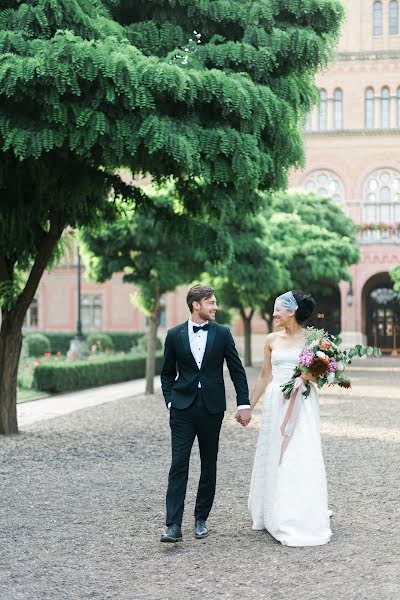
[325,345]
[47,354]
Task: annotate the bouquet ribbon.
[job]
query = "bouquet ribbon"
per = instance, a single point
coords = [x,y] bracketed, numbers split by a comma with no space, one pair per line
[292,413]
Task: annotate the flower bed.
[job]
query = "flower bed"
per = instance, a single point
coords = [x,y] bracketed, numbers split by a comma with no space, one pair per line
[66,376]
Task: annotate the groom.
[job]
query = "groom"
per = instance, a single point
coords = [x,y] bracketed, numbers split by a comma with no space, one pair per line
[193,387]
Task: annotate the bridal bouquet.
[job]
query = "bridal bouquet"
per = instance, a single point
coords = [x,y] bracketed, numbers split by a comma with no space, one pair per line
[323,358]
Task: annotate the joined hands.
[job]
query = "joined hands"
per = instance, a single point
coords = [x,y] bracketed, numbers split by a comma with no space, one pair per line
[243,416]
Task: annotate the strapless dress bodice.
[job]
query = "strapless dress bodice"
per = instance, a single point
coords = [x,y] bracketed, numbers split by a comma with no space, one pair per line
[284,361]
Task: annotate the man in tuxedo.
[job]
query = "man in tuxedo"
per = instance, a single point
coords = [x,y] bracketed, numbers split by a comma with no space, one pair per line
[193,387]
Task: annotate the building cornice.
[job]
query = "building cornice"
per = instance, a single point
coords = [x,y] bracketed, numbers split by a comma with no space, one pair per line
[368,55]
[353,132]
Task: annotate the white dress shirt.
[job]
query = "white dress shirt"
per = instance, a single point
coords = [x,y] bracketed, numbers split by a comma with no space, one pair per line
[198,343]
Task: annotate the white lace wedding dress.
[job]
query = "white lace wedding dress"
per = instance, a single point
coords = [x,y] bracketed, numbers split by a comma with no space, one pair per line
[290,499]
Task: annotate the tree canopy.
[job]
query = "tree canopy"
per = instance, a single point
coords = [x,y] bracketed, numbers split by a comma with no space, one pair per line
[157,248]
[298,241]
[88,86]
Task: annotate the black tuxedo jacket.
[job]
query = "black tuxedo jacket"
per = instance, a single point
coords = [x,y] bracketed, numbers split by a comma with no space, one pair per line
[180,374]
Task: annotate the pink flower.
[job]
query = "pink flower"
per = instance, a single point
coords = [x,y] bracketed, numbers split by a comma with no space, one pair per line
[306,357]
[332,366]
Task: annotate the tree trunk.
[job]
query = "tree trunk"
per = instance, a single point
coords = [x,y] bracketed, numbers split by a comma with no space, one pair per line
[247,336]
[12,322]
[151,347]
[10,350]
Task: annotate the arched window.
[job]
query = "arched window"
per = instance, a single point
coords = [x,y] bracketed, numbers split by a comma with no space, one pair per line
[327,184]
[338,109]
[323,109]
[377,18]
[385,108]
[381,197]
[393,17]
[369,108]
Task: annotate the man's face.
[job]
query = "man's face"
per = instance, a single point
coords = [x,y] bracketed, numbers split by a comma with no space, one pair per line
[206,308]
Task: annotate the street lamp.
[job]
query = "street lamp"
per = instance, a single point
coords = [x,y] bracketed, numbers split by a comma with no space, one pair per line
[78,335]
[350,296]
[77,347]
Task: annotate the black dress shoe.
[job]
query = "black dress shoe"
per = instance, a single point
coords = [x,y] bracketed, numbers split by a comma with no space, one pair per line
[200,529]
[172,534]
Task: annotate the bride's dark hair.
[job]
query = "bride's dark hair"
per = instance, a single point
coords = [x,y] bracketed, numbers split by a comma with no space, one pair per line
[306,305]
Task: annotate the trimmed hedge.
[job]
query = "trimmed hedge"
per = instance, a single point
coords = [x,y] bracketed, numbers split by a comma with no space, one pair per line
[77,375]
[123,340]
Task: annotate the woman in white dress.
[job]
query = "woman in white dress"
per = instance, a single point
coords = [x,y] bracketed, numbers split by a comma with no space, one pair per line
[288,492]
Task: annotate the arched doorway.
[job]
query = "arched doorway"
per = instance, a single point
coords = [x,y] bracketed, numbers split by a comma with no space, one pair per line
[382,313]
[328,314]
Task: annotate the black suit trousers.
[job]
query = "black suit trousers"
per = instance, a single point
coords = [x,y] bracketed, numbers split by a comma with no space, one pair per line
[185,425]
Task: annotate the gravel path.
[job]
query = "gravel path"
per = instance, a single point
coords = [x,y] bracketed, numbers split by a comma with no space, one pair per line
[82,507]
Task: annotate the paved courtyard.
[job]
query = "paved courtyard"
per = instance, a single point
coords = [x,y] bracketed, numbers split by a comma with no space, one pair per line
[82,506]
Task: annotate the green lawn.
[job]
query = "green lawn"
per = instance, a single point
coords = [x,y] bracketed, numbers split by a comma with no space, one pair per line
[29,395]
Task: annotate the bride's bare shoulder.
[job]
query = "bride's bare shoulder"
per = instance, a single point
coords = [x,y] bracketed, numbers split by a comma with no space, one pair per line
[269,340]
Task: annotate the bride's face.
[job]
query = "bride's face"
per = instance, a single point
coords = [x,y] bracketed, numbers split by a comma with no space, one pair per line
[282,317]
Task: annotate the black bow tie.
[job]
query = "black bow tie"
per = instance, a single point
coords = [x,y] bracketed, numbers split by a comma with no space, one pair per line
[197,328]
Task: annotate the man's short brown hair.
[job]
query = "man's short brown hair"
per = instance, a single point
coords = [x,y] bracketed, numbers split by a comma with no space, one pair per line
[197,293]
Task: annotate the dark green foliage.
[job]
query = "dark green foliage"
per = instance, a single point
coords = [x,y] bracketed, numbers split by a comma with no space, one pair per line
[124,341]
[59,341]
[84,91]
[313,239]
[157,248]
[37,344]
[395,275]
[143,343]
[76,375]
[102,341]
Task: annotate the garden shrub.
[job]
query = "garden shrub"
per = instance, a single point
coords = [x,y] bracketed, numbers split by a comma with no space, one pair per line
[142,345]
[124,341]
[37,344]
[68,376]
[102,341]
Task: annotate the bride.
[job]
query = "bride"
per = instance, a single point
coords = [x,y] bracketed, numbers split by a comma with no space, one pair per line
[288,492]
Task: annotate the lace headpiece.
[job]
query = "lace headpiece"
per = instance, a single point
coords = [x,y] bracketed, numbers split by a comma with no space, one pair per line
[287,301]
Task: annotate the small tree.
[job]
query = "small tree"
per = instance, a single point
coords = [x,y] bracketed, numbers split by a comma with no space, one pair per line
[157,249]
[252,274]
[313,240]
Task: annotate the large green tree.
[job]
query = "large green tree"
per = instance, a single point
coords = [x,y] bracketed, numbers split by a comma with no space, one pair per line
[84,91]
[157,247]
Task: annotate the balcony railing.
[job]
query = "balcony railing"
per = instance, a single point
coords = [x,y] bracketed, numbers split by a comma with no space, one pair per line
[379,236]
